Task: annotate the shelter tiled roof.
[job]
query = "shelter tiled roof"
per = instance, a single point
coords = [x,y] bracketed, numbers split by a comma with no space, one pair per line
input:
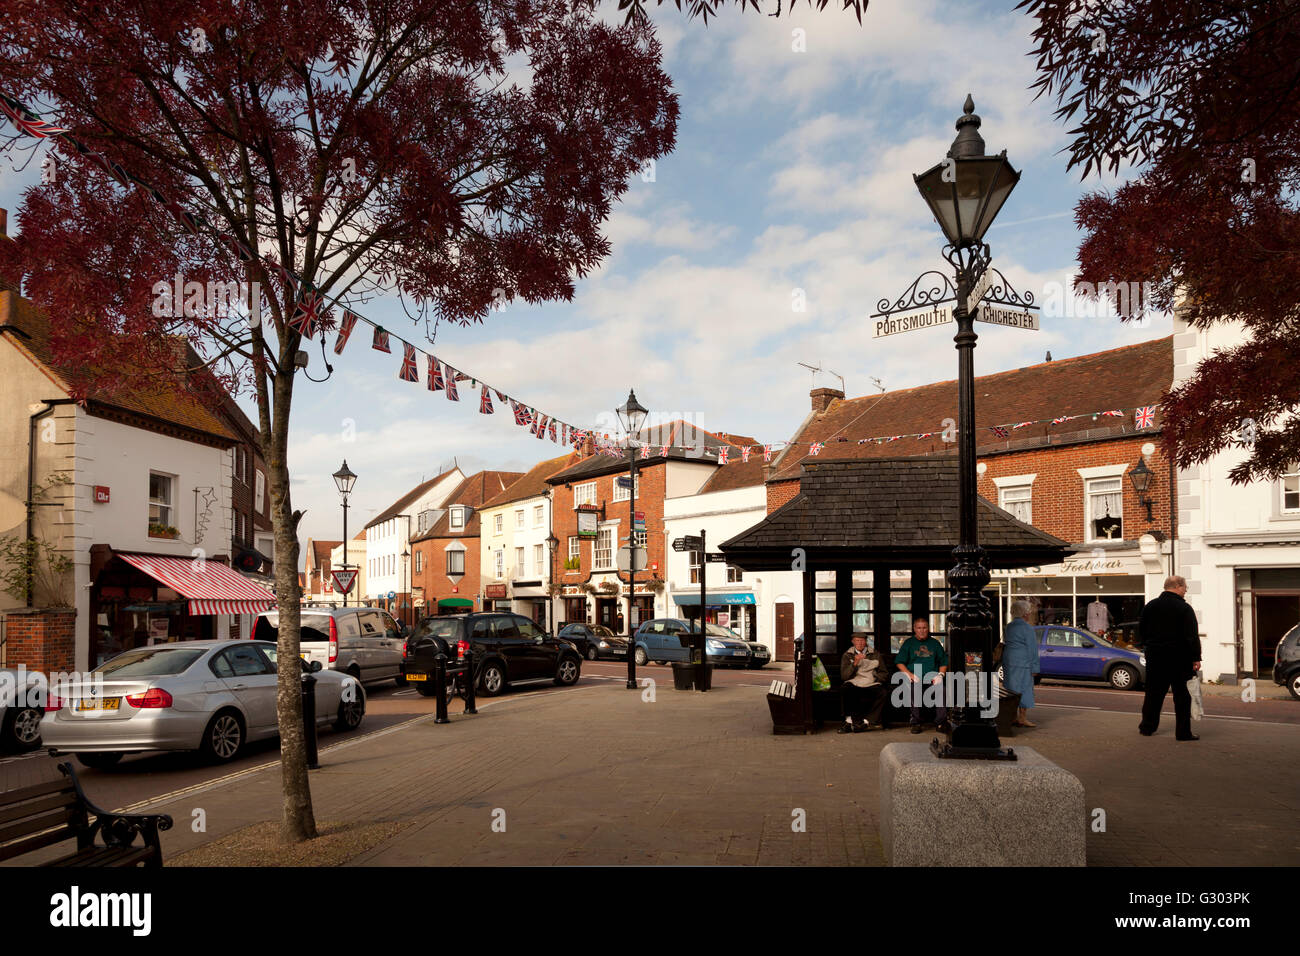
[685,442]
[854,511]
[1123,378]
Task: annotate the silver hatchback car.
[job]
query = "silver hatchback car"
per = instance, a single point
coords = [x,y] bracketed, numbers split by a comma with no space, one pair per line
[210,696]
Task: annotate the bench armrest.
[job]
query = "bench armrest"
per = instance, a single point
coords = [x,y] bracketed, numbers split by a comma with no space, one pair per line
[117,829]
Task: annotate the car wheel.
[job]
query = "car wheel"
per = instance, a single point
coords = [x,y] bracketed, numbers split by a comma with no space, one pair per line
[640,657]
[22,729]
[425,688]
[592,653]
[400,680]
[101,761]
[351,712]
[493,679]
[567,674]
[1123,677]
[1293,685]
[223,738]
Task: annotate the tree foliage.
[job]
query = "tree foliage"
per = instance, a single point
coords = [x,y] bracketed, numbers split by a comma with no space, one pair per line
[703,9]
[1203,99]
[457,152]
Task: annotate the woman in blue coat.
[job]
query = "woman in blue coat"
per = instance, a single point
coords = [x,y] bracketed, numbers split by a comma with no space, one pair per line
[1020,658]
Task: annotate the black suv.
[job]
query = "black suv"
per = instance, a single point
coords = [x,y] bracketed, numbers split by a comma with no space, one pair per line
[508,649]
[1286,661]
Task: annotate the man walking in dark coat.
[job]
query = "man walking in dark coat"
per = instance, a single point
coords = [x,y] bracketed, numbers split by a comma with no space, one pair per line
[1172,644]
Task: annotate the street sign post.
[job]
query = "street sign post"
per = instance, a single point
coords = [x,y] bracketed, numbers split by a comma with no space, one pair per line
[716,557]
[688,542]
[344,579]
[911,321]
[624,482]
[981,287]
[1013,318]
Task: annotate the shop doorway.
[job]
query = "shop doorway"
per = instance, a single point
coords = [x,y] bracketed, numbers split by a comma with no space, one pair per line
[1275,614]
[785,632]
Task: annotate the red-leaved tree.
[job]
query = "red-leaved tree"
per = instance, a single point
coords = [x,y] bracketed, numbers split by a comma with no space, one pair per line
[455,151]
[1203,98]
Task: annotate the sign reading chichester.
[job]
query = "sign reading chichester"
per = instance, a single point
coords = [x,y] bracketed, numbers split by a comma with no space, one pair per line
[1015,318]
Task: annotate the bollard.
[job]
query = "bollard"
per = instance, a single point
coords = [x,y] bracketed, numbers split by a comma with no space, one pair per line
[468,677]
[309,720]
[440,687]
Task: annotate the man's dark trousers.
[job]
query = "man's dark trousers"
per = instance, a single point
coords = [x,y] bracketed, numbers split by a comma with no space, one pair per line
[1162,676]
[858,702]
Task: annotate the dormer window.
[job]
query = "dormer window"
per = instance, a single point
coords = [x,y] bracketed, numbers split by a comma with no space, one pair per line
[457,517]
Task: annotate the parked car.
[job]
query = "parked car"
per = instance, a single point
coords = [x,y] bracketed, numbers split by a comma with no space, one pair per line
[665,639]
[1286,661]
[1068,653]
[508,649]
[21,710]
[210,696]
[595,641]
[365,642]
[760,656]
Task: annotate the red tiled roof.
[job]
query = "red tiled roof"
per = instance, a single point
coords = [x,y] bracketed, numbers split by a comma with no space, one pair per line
[175,406]
[473,491]
[533,481]
[1123,378]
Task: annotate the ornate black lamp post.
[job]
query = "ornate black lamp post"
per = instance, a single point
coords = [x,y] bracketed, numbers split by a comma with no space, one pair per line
[552,542]
[631,416]
[344,480]
[965,192]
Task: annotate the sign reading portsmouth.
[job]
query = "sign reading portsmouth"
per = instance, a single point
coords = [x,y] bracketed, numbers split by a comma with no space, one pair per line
[892,325]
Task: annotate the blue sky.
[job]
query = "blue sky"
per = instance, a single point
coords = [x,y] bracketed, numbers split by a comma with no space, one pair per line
[792,172]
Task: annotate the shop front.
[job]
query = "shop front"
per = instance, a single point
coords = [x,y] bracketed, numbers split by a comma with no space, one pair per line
[139,600]
[735,610]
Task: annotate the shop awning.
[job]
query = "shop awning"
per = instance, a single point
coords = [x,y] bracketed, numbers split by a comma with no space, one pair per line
[210,587]
[729,597]
[455,602]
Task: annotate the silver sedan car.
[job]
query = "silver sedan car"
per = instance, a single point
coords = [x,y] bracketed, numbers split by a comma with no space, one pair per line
[210,696]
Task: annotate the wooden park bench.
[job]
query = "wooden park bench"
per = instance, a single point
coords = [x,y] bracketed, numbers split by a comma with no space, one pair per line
[48,813]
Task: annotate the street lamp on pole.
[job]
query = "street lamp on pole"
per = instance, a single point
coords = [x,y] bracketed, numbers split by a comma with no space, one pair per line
[965,193]
[552,542]
[631,415]
[344,479]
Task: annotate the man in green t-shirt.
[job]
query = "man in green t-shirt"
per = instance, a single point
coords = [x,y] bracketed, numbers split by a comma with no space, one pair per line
[923,660]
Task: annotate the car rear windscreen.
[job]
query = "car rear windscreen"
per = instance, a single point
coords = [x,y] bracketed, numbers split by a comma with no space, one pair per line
[151,662]
[312,627]
[444,629]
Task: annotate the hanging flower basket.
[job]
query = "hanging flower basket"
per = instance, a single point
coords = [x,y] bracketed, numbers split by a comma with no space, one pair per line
[655,586]
[588,587]
[608,587]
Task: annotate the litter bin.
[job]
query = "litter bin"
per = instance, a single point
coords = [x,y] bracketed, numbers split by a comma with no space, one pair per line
[703,676]
[683,675]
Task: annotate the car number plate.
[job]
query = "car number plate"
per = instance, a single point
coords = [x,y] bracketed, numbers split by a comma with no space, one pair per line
[417,677]
[95,703]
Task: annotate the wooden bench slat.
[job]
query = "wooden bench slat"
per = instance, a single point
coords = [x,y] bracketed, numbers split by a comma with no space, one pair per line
[105,856]
[62,785]
[19,847]
[39,822]
[32,807]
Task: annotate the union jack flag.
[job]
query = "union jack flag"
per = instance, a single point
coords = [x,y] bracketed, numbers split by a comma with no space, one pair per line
[925,435]
[767,452]
[552,429]
[451,385]
[540,430]
[501,396]
[345,329]
[28,123]
[722,455]
[521,416]
[645,451]
[577,436]
[1000,431]
[409,372]
[380,342]
[1061,420]
[816,447]
[893,438]
[307,314]
[434,377]
[1022,424]
[744,454]
[1144,417]
[485,403]
[664,450]
[1114,413]
[564,433]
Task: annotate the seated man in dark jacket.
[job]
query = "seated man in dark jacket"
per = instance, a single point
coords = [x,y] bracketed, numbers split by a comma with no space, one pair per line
[1172,642]
[862,693]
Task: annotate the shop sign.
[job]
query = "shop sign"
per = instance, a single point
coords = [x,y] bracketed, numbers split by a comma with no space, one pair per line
[494,590]
[586,524]
[101,494]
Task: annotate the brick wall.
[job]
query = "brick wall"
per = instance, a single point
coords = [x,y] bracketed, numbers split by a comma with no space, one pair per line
[42,639]
[649,501]
[433,572]
[781,492]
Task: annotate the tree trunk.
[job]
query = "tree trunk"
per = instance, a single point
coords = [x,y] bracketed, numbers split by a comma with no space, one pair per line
[299,821]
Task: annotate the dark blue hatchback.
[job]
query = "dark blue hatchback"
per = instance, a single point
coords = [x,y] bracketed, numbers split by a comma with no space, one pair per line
[1068,653]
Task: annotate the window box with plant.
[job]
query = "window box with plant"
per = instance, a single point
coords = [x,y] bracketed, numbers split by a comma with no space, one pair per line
[163,531]
[572,564]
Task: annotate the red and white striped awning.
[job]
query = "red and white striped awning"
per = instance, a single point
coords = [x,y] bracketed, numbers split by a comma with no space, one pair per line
[211,587]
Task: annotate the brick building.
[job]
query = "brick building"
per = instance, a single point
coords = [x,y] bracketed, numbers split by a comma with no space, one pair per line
[1067,470]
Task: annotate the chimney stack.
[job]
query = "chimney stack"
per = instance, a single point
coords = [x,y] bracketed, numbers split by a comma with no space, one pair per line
[822,398]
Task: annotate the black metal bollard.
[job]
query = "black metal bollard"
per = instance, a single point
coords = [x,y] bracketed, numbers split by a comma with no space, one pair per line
[309,720]
[440,688]
[468,678]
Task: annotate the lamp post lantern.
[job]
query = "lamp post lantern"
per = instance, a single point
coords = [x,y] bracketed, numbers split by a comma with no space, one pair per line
[344,479]
[1140,477]
[965,193]
[631,416]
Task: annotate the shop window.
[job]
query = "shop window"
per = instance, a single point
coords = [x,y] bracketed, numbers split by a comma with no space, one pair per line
[1290,486]
[456,562]
[1105,509]
[584,494]
[1017,500]
[161,497]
